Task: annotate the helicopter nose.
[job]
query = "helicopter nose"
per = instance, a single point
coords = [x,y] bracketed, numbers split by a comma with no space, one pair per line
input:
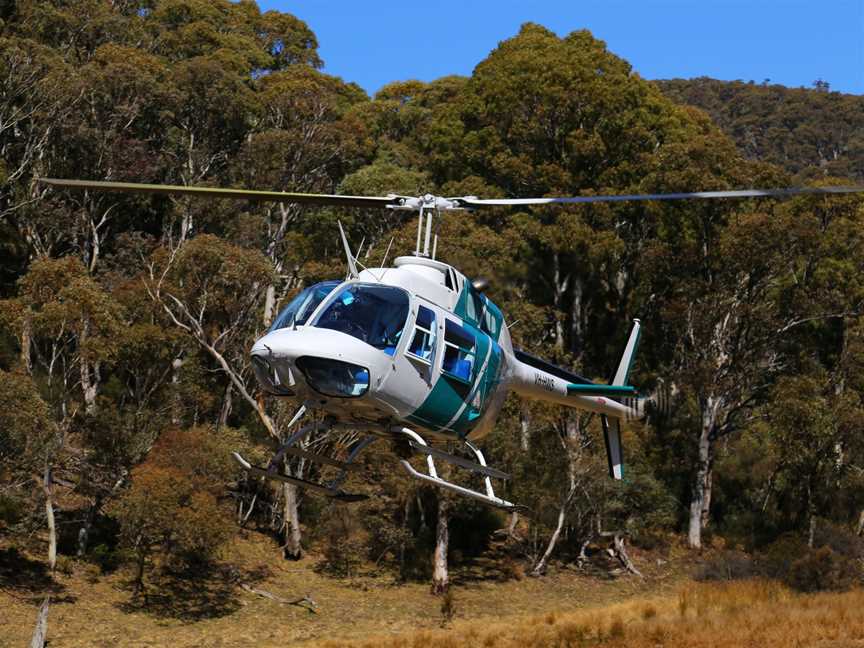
[271,362]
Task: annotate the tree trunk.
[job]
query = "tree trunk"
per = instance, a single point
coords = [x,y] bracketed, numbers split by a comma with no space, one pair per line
[540,567]
[40,633]
[49,514]
[88,387]
[269,305]
[524,428]
[292,549]
[88,381]
[84,531]
[701,483]
[860,530]
[227,406]
[560,287]
[620,551]
[176,400]
[139,575]
[440,575]
[26,335]
[706,504]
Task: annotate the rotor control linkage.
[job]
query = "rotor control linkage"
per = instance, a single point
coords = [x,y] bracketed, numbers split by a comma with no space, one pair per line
[418,444]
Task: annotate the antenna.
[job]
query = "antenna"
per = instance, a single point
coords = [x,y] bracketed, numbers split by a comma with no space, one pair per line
[352,267]
[386,253]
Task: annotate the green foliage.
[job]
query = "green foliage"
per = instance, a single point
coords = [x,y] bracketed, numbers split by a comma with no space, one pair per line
[27,431]
[127,319]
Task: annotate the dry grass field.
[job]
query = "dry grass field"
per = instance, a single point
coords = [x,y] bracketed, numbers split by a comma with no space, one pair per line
[563,609]
[729,615]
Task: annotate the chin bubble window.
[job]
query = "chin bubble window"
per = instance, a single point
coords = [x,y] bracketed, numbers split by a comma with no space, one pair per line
[373,314]
[334,377]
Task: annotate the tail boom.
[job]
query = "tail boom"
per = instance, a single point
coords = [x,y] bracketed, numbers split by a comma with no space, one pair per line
[534,382]
[536,378]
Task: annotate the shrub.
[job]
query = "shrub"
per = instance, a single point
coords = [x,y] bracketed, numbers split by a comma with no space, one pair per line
[839,539]
[344,545]
[822,569]
[727,565]
[777,558]
[105,557]
[173,504]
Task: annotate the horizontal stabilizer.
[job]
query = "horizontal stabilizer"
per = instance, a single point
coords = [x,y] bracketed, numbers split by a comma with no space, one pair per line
[601,390]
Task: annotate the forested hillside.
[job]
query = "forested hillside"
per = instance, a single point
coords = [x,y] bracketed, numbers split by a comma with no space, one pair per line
[127,320]
[812,133]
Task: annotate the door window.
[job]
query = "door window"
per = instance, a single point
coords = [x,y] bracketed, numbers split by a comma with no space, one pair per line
[459,354]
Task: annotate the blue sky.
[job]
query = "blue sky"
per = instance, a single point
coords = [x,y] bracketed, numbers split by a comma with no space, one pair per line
[792,42]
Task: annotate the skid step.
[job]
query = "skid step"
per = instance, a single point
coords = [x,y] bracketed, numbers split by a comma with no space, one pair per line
[336,494]
[458,461]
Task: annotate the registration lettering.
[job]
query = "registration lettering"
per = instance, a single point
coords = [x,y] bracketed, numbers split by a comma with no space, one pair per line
[544,382]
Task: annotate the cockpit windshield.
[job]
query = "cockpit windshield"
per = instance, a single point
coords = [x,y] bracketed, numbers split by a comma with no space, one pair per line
[372,313]
[303,305]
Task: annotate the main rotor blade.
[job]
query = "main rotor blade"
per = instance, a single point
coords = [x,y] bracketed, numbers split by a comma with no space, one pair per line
[741,193]
[235,194]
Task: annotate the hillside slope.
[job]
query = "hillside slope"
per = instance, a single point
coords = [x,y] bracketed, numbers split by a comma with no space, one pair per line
[811,132]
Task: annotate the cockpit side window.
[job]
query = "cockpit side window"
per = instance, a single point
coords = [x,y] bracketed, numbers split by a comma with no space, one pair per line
[423,343]
[303,305]
[373,314]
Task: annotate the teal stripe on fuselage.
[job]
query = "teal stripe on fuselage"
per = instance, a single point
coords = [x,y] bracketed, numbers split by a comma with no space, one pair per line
[449,395]
[478,310]
[484,386]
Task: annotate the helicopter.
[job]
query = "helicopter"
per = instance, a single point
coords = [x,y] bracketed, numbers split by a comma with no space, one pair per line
[416,353]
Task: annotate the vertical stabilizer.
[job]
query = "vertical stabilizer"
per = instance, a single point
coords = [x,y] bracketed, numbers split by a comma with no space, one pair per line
[612,425]
[629,353]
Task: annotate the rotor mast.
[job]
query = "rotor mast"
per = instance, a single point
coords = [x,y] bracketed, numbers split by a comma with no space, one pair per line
[427,206]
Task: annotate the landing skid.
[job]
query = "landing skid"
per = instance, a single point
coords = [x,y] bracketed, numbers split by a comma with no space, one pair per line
[331,489]
[333,493]
[416,443]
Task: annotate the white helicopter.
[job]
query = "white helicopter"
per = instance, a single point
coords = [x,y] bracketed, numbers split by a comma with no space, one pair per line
[417,351]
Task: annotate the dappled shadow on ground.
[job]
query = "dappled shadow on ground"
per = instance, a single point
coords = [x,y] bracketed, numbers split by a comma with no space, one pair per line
[194,593]
[25,577]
